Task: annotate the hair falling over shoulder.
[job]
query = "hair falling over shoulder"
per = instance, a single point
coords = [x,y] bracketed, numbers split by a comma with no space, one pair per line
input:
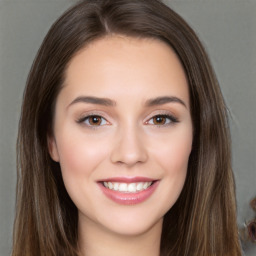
[203,220]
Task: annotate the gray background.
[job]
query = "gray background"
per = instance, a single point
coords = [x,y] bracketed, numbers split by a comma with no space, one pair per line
[227,29]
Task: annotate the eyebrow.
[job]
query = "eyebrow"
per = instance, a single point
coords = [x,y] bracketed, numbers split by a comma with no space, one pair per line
[94,100]
[110,103]
[164,100]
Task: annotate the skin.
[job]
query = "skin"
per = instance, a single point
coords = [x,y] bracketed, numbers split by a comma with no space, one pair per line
[126,142]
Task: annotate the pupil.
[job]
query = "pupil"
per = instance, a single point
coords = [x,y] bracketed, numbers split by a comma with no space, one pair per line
[159,120]
[95,120]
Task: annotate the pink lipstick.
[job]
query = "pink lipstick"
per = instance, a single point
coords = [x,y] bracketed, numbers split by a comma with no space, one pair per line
[128,190]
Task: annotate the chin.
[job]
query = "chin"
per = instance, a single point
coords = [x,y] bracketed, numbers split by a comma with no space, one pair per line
[133,228]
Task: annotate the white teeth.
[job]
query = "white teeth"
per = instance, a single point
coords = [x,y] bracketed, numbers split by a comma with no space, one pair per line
[127,187]
[110,185]
[146,185]
[123,187]
[140,186]
[132,187]
[116,185]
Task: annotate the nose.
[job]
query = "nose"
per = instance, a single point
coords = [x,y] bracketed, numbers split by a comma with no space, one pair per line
[129,147]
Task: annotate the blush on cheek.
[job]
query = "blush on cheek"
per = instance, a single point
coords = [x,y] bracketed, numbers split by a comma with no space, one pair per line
[79,156]
[181,159]
[174,157]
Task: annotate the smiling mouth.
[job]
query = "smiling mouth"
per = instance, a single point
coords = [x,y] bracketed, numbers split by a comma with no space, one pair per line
[128,191]
[134,187]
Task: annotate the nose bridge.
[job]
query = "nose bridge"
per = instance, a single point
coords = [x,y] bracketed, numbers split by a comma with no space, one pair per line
[129,147]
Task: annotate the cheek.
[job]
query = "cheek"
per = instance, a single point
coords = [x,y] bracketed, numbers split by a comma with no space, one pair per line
[79,155]
[79,158]
[178,157]
[172,156]
[173,152]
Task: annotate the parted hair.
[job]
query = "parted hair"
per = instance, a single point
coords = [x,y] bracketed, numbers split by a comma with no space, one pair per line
[203,220]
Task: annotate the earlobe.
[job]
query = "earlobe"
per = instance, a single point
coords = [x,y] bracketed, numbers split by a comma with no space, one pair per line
[52,148]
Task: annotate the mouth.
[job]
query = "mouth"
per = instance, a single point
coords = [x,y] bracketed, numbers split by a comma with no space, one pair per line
[134,187]
[128,191]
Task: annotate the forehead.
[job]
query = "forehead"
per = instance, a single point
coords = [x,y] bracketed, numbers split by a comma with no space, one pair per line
[117,64]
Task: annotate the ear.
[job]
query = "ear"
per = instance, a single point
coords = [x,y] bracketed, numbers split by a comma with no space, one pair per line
[52,148]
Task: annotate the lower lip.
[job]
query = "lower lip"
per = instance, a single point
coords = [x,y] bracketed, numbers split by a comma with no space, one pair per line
[129,198]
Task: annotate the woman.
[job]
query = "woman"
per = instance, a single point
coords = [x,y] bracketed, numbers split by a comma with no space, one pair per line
[123,144]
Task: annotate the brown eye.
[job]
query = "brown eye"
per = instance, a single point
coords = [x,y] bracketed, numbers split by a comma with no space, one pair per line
[159,120]
[162,120]
[94,120]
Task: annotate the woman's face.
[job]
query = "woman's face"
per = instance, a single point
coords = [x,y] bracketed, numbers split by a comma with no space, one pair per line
[123,133]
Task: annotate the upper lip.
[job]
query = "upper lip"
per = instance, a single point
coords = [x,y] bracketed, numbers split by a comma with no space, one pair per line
[128,179]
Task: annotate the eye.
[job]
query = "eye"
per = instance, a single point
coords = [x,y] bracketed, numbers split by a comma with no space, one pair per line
[162,120]
[93,120]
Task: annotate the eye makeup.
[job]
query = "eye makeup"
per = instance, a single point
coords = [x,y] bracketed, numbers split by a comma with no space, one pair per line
[96,120]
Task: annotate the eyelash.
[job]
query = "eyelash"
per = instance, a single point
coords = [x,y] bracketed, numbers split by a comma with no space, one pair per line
[172,120]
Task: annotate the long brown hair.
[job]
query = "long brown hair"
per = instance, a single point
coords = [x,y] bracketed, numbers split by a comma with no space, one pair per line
[203,220]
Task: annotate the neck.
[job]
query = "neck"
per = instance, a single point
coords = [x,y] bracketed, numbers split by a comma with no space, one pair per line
[96,241]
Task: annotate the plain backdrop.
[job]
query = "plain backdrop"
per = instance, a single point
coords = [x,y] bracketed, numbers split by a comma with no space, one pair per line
[227,28]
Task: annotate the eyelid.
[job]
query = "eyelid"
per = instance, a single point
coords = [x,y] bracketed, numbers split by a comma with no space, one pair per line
[173,119]
[164,113]
[85,116]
